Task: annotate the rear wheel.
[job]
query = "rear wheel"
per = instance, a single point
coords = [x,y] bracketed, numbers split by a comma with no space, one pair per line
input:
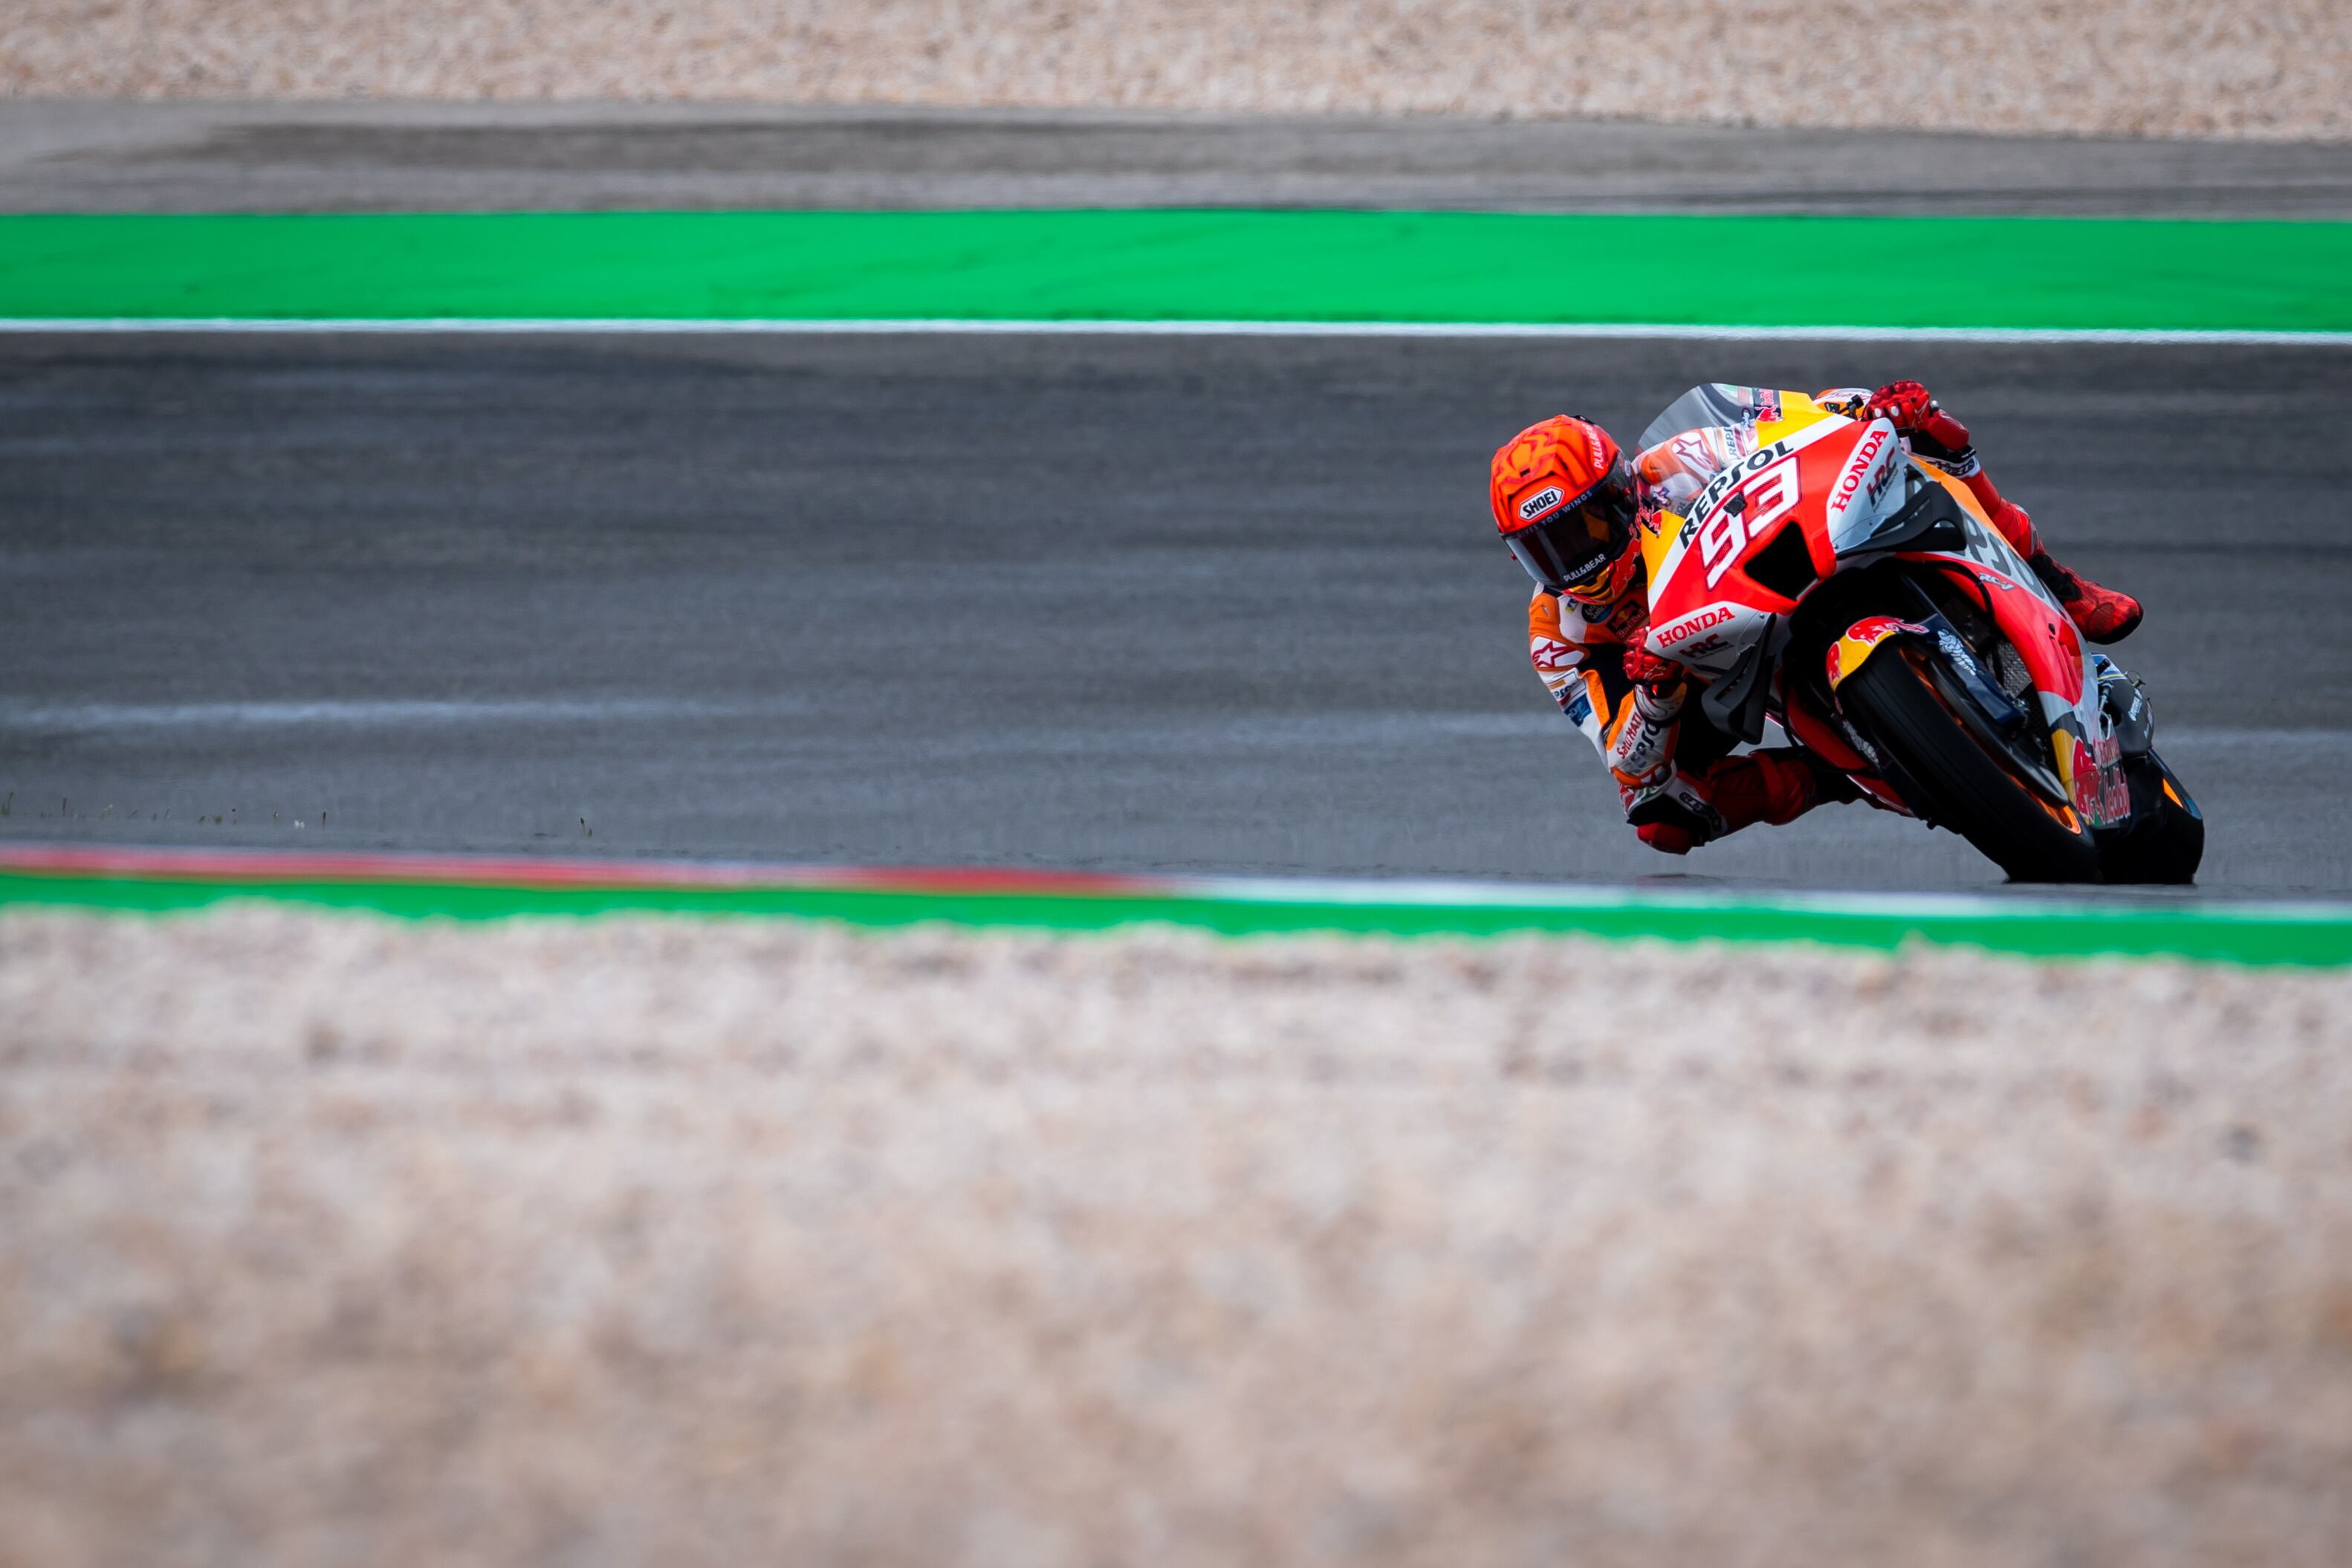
[2165,840]
[1961,786]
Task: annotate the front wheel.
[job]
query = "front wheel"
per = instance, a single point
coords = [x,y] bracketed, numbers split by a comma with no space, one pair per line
[1962,786]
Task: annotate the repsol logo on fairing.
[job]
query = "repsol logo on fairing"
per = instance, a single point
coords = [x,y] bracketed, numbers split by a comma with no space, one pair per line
[1723,483]
[1691,626]
[1542,501]
[1860,465]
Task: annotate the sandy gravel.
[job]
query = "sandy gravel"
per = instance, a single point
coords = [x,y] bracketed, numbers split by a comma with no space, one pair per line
[331,1239]
[2169,67]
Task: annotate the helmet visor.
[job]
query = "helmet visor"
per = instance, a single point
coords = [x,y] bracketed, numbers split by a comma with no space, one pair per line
[1574,546]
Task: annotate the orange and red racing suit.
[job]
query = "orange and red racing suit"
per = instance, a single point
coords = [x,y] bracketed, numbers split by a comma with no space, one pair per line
[1699,791]
[1580,653]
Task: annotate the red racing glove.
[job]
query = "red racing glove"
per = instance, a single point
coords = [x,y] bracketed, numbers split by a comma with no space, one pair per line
[1647,670]
[1916,412]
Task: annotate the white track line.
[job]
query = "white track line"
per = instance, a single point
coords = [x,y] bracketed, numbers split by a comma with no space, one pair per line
[1434,893]
[498,326]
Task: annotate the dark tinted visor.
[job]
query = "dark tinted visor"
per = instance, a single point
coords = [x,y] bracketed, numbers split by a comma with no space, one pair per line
[1570,546]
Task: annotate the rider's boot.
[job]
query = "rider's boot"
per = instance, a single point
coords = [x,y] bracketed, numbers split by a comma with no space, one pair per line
[2100,615]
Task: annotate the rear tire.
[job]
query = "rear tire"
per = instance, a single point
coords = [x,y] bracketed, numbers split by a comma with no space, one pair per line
[1964,788]
[2166,841]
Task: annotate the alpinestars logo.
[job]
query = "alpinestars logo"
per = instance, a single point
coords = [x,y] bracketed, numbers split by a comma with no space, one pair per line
[1542,501]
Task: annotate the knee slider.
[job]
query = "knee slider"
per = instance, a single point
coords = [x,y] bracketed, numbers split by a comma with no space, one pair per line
[1675,819]
[1669,837]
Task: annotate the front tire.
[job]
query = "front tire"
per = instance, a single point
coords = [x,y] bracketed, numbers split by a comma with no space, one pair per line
[1961,786]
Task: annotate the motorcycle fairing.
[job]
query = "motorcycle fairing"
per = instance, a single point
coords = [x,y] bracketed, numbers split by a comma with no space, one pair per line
[1710,638]
[1743,505]
[1870,489]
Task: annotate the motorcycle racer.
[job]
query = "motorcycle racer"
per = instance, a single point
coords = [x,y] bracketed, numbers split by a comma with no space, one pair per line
[1567,502]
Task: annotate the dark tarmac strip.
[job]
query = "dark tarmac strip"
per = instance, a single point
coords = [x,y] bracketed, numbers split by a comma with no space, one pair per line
[68,155]
[1195,603]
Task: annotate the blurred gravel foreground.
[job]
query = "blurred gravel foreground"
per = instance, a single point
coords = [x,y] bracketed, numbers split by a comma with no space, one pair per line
[2133,68]
[326,1238]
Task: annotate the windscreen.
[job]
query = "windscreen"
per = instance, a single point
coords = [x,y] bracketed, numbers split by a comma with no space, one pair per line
[1705,407]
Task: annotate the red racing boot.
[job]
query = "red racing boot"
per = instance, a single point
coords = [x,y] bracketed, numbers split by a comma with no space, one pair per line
[2100,615]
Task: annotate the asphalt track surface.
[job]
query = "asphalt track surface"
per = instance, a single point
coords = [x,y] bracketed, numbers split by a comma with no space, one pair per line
[1204,604]
[93,156]
[1192,604]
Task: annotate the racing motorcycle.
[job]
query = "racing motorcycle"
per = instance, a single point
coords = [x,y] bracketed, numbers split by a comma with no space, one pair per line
[1860,599]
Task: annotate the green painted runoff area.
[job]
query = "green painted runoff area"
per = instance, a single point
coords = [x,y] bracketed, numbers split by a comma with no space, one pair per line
[1219,265]
[2218,933]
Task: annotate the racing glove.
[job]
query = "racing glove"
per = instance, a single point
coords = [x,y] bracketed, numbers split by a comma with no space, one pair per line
[1647,670]
[1917,414]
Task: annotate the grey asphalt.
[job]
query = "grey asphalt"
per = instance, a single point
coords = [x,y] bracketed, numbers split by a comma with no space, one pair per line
[84,156]
[1192,604]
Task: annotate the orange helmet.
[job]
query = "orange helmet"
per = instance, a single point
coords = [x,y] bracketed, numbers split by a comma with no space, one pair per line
[1564,499]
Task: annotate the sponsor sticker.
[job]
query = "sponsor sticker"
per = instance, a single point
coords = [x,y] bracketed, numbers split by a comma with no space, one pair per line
[1729,481]
[1553,656]
[2101,792]
[1847,653]
[1746,515]
[1545,500]
[1886,478]
[1850,484]
[1691,626]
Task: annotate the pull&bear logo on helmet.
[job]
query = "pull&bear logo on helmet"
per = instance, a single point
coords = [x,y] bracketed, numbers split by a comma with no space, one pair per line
[1542,501]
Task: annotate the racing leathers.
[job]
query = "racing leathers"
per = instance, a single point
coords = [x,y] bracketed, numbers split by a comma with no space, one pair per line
[1680,790]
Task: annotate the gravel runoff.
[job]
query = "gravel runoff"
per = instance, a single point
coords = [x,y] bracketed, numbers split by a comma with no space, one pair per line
[330,1239]
[2140,67]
